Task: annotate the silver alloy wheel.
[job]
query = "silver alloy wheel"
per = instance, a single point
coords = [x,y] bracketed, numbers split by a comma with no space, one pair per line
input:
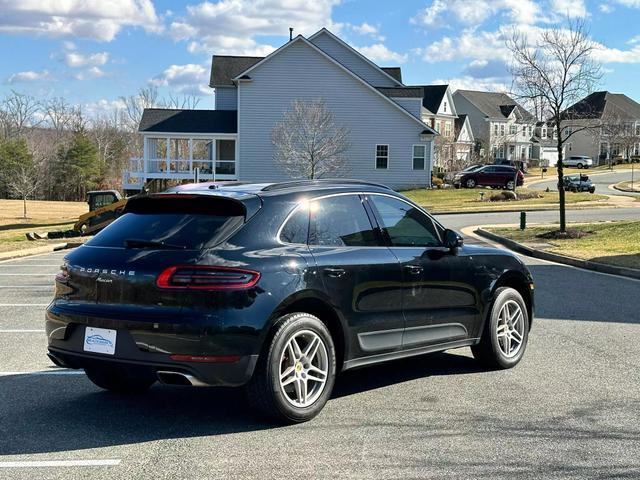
[510,328]
[471,183]
[510,185]
[304,367]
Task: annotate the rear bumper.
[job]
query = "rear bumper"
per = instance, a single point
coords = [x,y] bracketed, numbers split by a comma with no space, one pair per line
[150,346]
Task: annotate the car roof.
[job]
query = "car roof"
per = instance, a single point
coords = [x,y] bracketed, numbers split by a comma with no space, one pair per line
[238,189]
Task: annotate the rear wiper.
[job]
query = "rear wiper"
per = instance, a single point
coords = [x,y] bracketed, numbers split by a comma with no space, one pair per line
[139,243]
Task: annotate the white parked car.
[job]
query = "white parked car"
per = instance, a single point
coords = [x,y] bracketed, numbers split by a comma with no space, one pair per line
[579,161]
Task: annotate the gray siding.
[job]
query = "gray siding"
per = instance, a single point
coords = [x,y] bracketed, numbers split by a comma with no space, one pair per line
[477,119]
[352,61]
[226,98]
[413,105]
[300,72]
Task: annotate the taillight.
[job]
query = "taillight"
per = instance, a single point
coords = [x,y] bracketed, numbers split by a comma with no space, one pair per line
[201,277]
[63,274]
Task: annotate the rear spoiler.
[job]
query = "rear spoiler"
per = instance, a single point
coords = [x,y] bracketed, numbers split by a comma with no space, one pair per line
[188,203]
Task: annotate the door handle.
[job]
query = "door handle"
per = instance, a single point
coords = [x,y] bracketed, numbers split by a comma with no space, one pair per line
[334,272]
[414,269]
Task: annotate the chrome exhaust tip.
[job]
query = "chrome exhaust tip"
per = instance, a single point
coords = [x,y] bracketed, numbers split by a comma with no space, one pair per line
[168,377]
[57,362]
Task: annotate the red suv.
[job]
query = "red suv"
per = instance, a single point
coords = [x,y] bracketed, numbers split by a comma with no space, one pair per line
[491,176]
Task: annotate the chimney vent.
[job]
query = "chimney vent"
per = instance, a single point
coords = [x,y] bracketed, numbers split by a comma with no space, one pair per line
[290,33]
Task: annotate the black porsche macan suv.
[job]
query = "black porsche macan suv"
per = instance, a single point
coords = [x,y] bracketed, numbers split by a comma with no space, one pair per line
[278,288]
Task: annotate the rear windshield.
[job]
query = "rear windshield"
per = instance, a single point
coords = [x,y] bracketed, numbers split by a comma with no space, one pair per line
[180,230]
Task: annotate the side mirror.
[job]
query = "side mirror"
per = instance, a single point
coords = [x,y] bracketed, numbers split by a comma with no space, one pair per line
[452,239]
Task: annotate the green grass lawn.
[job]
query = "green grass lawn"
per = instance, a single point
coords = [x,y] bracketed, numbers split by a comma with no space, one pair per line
[536,172]
[13,237]
[613,243]
[449,199]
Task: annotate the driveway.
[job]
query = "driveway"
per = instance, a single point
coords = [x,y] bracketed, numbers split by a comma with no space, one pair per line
[600,180]
[570,410]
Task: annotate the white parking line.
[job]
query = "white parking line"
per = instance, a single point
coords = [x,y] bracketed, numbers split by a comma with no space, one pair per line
[111,462]
[21,330]
[27,286]
[53,371]
[23,304]
[26,274]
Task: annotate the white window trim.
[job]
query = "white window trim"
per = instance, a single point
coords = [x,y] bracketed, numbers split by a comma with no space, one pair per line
[375,156]
[424,157]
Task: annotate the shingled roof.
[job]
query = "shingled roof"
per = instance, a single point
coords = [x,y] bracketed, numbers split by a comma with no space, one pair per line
[226,67]
[167,120]
[404,92]
[494,104]
[394,72]
[600,103]
[433,95]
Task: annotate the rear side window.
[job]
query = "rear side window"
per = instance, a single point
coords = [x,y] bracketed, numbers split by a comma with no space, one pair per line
[180,230]
[340,221]
[296,228]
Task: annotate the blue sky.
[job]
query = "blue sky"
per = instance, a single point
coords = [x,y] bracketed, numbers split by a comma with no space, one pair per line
[93,52]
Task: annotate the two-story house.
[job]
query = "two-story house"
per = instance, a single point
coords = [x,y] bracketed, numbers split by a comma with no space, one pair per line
[389,141]
[606,126]
[502,126]
[454,145]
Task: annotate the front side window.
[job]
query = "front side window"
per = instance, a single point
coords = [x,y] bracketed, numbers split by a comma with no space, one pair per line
[405,225]
[382,157]
[419,155]
[340,221]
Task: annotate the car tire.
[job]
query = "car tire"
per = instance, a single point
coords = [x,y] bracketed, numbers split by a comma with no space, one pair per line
[498,337]
[120,379]
[510,185]
[470,183]
[267,392]
[579,165]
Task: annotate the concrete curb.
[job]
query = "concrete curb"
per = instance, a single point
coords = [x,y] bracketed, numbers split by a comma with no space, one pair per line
[34,251]
[555,257]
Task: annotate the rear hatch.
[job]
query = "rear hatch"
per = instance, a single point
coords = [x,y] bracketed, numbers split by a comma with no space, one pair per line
[115,275]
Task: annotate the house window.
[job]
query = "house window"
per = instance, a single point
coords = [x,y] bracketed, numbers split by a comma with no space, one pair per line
[447,129]
[638,129]
[419,157]
[543,133]
[494,149]
[502,129]
[444,109]
[495,129]
[530,151]
[530,131]
[225,157]
[438,126]
[382,157]
[513,129]
[501,151]
[568,131]
[512,151]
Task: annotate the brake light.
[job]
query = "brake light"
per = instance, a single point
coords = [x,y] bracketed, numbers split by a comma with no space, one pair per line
[63,275]
[201,277]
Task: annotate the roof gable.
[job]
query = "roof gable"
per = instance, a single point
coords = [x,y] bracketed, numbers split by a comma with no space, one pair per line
[395,72]
[352,59]
[301,40]
[433,96]
[462,129]
[600,104]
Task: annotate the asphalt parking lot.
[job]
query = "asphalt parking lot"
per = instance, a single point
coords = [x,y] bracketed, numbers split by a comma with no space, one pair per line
[571,409]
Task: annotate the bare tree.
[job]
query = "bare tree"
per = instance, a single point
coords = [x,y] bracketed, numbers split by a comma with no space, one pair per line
[185,102]
[308,143]
[134,105]
[24,181]
[554,72]
[20,112]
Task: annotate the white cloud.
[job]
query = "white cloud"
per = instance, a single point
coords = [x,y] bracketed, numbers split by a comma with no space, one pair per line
[629,3]
[90,73]
[95,19]
[570,8]
[475,12]
[471,83]
[366,29]
[102,107]
[28,76]
[77,60]
[190,79]
[605,54]
[380,53]
[605,8]
[235,26]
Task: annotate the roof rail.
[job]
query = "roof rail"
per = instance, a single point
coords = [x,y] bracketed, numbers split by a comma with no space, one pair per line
[320,181]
